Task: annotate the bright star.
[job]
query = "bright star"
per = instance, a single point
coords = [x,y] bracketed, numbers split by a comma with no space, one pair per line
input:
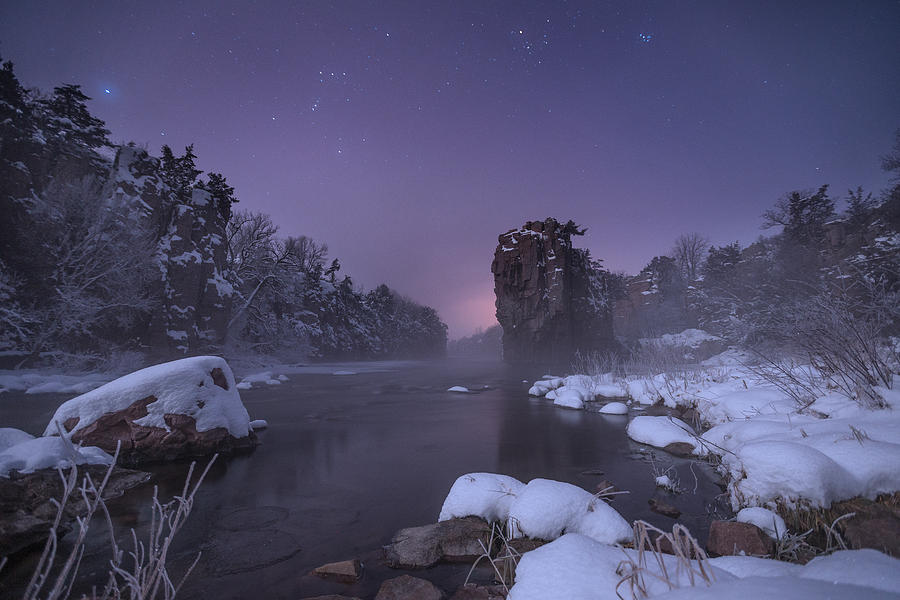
[106,90]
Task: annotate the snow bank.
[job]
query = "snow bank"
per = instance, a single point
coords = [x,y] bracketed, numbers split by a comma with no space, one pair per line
[48,453]
[662,431]
[540,388]
[484,495]
[578,568]
[183,387]
[542,509]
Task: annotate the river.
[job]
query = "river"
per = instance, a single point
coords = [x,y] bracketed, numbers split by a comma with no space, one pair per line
[348,459]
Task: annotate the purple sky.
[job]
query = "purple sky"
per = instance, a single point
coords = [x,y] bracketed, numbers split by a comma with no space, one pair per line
[408,135]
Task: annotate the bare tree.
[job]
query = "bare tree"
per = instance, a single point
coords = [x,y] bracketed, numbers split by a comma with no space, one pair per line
[688,252]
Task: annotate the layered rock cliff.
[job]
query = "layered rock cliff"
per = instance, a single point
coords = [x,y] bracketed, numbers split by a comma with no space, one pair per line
[194,298]
[551,299]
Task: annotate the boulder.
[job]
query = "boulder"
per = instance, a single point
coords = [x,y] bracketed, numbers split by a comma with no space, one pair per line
[680,449]
[728,538]
[181,409]
[551,300]
[345,571]
[454,540]
[27,510]
[407,587]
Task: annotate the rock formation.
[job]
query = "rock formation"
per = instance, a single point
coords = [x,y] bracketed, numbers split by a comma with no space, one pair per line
[551,299]
[195,299]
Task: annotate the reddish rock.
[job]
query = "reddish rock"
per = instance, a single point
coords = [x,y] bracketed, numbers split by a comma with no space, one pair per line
[142,444]
[406,587]
[881,533]
[345,571]
[730,537]
[550,300]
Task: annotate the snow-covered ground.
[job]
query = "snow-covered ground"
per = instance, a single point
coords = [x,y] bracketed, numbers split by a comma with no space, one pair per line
[585,558]
[770,451]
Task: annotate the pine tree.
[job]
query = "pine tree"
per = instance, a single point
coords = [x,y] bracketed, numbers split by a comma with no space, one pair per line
[69,118]
[180,172]
[222,193]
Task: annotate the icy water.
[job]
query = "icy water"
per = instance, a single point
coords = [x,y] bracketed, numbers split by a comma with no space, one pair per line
[349,459]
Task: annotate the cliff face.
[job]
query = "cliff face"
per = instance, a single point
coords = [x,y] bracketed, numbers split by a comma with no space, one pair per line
[194,299]
[551,300]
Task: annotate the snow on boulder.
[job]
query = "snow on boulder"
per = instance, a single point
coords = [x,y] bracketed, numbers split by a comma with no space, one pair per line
[459,389]
[485,495]
[858,567]
[614,408]
[259,424]
[10,437]
[547,509]
[571,396]
[765,519]
[662,431]
[540,388]
[48,453]
[187,407]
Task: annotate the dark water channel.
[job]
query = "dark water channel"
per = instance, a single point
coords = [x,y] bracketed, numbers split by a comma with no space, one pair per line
[348,460]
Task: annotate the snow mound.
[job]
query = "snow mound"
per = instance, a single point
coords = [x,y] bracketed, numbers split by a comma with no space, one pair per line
[540,388]
[184,387]
[484,495]
[9,437]
[542,509]
[578,568]
[547,509]
[662,431]
[765,519]
[571,396]
[49,453]
[614,408]
[258,424]
[459,389]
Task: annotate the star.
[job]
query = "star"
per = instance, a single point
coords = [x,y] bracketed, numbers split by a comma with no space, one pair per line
[106,91]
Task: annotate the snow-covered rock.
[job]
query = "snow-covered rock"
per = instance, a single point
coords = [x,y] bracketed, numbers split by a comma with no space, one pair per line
[571,396]
[48,453]
[459,389]
[765,519]
[662,431]
[10,437]
[258,424]
[485,495]
[542,509]
[614,408]
[186,407]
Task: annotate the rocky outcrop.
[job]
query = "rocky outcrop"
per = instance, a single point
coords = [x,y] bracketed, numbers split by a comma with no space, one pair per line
[454,540]
[27,508]
[551,299]
[194,297]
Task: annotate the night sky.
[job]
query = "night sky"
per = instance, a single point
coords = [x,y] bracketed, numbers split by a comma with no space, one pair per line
[408,135]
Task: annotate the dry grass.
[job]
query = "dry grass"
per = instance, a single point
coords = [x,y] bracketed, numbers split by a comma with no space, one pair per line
[503,561]
[691,561]
[139,574]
